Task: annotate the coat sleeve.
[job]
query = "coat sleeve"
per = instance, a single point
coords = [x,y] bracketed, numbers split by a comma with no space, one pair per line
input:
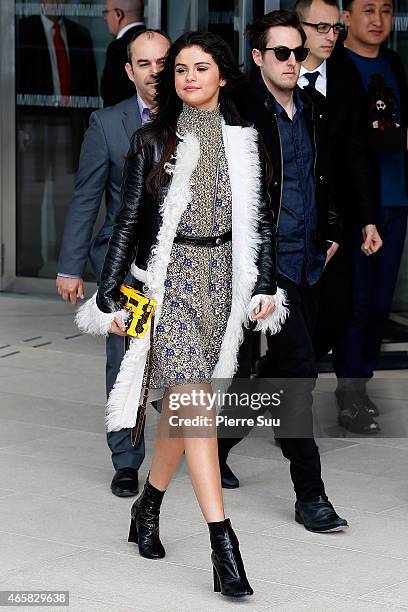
[359,162]
[266,281]
[90,184]
[123,242]
[266,288]
[95,316]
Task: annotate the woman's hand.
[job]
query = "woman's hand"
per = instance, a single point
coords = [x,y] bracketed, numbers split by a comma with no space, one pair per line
[118,327]
[264,307]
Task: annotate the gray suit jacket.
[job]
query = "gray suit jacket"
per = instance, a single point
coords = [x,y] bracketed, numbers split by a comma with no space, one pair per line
[104,150]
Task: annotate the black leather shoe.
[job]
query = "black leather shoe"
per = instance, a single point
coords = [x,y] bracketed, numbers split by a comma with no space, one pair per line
[125,482]
[228,568]
[354,414]
[228,478]
[370,406]
[319,516]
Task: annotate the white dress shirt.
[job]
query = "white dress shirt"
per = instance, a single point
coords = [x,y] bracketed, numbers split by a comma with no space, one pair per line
[48,26]
[321,81]
[127,27]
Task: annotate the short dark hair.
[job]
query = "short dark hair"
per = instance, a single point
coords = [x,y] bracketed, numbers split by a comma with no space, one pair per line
[257,32]
[302,7]
[139,33]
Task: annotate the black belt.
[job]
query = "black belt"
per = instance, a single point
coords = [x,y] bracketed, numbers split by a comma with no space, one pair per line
[210,241]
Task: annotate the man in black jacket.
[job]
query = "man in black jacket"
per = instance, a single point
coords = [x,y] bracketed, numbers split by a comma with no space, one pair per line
[123,18]
[308,234]
[382,84]
[324,75]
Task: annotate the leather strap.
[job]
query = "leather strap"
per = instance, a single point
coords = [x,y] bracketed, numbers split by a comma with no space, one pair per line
[210,241]
[137,430]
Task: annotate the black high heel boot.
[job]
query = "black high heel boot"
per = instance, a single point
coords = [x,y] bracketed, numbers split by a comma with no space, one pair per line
[144,524]
[228,568]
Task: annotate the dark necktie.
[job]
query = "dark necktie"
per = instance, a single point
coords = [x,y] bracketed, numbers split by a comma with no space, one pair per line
[312,78]
[62,61]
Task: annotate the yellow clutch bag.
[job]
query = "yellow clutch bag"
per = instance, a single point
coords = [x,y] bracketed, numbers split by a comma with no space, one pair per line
[140,309]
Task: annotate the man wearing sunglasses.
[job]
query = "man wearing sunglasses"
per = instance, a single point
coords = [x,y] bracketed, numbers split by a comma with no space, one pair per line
[307,238]
[327,80]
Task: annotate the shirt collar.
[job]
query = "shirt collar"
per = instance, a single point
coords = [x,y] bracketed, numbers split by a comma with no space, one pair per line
[320,69]
[297,105]
[143,108]
[48,23]
[127,27]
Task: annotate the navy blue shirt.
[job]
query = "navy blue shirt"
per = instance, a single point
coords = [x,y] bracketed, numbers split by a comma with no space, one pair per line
[297,255]
[385,113]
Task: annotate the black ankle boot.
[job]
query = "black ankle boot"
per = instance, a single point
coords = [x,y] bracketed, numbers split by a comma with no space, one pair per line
[144,524]
[228,569]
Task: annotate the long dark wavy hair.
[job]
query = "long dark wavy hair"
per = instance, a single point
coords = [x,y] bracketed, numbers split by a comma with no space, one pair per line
[169,105]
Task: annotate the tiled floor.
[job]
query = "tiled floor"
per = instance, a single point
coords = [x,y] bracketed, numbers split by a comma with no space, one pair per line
[62,529]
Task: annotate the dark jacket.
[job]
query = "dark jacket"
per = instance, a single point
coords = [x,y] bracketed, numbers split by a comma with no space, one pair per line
[115,85]
[258,107]
[34,76]
[103,154]
[33,64]
[350,163]
[138,222]
[389,141]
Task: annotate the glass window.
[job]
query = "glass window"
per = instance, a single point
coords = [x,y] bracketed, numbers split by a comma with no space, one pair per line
[179,16]
[60,54]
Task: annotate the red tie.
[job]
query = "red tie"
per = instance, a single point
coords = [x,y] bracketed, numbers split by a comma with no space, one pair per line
[62,61]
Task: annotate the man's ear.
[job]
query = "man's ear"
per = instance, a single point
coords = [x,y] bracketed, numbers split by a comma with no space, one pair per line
[257,57]
[129,72]
[346,18]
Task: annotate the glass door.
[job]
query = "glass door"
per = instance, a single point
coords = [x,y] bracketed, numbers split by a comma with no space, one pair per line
[220,16]
[59,53]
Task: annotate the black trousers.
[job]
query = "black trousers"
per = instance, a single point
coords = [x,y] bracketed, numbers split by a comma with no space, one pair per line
[123,453]
[290,356]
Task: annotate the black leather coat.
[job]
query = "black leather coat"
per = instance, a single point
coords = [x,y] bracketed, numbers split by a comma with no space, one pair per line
[139,219]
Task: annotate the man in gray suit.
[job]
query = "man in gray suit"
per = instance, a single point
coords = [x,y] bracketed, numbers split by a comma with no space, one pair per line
[103,154]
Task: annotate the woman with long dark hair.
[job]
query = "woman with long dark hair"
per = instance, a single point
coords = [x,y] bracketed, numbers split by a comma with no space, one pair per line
[197,232]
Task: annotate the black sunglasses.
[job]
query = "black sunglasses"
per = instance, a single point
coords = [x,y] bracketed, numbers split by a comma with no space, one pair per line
[283,53]
[324,28]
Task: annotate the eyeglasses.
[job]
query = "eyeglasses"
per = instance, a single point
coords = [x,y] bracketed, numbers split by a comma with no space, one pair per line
[324,28]
[283,53]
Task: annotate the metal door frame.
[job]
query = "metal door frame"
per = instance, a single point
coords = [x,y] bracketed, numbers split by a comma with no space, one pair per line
[7,147]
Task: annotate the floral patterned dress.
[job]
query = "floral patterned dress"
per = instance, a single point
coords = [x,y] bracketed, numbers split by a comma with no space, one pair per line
[198,287]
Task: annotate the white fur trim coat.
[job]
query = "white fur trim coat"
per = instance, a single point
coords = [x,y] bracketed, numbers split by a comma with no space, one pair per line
[241,148]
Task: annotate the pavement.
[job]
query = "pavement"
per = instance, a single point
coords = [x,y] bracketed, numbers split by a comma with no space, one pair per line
[62,529]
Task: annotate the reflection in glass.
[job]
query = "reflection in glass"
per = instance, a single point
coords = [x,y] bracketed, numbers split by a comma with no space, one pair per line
[57,89]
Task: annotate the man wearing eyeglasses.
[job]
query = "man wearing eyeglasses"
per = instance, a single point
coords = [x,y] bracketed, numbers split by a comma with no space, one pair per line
[307,238]
[124,18]
[326,78]
[321,23]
